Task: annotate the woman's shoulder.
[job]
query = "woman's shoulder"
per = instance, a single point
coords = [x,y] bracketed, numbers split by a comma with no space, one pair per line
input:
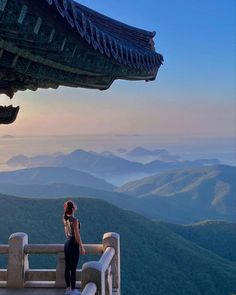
[74,219]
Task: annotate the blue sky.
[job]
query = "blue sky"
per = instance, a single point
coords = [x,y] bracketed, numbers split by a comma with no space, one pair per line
[194,92]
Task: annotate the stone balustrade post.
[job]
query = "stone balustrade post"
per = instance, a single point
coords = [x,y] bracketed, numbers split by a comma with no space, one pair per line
[17,260]
[112,239]
[93,272]
[60,280]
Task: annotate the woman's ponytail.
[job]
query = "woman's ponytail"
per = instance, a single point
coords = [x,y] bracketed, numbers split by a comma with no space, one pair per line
[69,206]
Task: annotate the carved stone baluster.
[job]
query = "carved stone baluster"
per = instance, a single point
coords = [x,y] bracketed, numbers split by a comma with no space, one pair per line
[17,260]
[108,278]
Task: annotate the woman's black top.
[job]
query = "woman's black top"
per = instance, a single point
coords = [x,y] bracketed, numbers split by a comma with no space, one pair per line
[69,224]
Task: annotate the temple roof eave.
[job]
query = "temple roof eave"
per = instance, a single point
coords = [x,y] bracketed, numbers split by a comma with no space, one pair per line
[101,37]
[83,48]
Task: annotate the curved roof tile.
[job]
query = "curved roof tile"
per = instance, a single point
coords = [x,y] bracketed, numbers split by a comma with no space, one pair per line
[126,44]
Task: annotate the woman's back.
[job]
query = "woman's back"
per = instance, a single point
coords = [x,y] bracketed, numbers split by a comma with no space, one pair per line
[69,224]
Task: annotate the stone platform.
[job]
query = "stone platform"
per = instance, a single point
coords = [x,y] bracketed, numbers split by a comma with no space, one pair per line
[32,291]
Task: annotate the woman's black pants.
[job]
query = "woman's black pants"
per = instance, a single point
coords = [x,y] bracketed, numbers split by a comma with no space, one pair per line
[71,250]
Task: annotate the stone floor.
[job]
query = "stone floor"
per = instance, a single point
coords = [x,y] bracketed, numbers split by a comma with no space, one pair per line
[32,291]
[36,291]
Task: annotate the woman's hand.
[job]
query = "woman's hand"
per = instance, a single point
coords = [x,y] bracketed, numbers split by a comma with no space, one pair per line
[82,250]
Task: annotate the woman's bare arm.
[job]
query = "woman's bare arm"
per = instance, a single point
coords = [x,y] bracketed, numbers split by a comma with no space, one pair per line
[77,236]
[66,232]
[65,227]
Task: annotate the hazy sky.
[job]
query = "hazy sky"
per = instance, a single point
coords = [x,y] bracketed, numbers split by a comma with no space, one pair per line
[194,93]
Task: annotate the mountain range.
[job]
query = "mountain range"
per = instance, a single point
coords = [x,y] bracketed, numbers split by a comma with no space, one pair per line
[105,165]
[53,175]
[154,258]
[144,155]
[190,193]
[178,196]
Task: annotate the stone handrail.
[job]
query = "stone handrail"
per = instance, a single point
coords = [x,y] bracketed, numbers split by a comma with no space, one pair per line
[106,258]
[4,249]
[90,289]
[59,248]
[97,277]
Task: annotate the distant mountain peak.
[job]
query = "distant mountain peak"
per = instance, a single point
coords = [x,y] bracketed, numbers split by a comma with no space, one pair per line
[139,151]
[108,154]
[78,152]
[155,154]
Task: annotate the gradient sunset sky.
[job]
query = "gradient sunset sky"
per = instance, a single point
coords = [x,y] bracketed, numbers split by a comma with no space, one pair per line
[194,93]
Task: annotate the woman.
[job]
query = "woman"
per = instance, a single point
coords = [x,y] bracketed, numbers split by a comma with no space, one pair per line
[72,246]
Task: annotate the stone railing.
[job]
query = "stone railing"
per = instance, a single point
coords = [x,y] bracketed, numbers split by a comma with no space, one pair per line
[96,277]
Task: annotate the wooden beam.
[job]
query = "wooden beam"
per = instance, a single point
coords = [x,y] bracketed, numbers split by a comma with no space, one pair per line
[1,52]
[37,25]
[22,15]
[3,4]
[51,35]
[14,61]
[63,44]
